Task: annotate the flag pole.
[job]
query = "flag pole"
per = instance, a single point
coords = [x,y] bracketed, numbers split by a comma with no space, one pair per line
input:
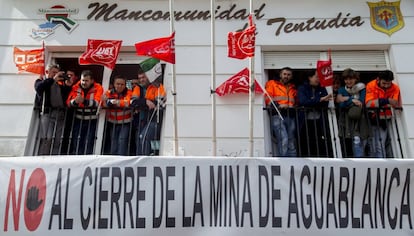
[173,89]
[251,95]
[213,79]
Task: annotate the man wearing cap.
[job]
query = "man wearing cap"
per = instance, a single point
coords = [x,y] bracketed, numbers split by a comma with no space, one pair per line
[353,125]
[149,99]
[382,95]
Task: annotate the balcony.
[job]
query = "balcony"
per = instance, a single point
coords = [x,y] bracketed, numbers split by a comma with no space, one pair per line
[328,136]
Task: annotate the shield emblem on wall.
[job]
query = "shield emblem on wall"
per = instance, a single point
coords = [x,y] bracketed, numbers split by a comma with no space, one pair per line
[386,17]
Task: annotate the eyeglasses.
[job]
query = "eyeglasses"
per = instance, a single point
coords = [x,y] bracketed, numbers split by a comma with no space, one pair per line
[135,83]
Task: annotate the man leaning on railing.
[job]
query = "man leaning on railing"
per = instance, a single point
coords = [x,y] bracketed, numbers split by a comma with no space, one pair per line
[382,95]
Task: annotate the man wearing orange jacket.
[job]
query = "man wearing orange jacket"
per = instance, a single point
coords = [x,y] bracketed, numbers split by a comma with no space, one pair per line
[283,94]
[381,95]
[119,115]
[84,97]
[149,99]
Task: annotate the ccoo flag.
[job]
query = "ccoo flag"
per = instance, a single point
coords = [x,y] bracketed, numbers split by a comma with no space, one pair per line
[160,48]
[238,83]
[32,61]
[324,71]
[101,52]
[242,44]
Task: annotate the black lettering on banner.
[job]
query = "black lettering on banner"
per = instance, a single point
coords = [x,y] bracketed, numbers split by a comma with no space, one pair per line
[263,219]
[129,177]
[293,205]
[142,172]
[366,201]
[330,203]
[157,219]
[379,198]
[276,220]
[216,197]
[95,196]
[319,217]
[356,222]
[405,201]
[343,197]
[247,204]
[116,180]
[103,197]
[395,175]
[307,220]
[186,219]
[87,175]
[234,195]
[169,221]
[198,203]
[56,208]
[67,222]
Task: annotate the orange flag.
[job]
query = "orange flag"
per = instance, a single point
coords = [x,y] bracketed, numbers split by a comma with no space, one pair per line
[32,61]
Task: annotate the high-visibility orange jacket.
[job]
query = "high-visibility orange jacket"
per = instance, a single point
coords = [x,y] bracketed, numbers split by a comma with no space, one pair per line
[92,98]
[152,92]
[121,101]
[282,94]
[377,97]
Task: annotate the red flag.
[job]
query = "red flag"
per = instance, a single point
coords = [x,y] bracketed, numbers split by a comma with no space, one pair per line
[32,61]
[160,48]
[241,44]
[324,71]
[101,52]
[238,83]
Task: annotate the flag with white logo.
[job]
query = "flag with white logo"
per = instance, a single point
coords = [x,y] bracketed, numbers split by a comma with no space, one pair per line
[32,61]
[324,71]
[160,48]
[238,83]
[101,52]
[152,68]
[241,44]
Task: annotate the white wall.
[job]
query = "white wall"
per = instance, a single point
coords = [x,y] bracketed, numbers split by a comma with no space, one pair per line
[18,17]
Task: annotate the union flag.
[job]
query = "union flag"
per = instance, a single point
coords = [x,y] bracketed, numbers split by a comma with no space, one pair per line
[325,72]
[101,52]
[32,61]
[241,44]
[159,48]
[238,83]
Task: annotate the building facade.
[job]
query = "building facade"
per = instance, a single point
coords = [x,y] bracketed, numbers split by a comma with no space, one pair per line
[289,33]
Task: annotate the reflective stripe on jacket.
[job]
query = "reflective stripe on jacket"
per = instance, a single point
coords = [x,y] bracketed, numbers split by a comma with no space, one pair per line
[282,94]
[123,113]
[374,93]
[92,100]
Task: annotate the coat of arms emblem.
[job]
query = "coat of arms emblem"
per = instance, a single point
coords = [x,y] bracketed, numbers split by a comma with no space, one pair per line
[386,17]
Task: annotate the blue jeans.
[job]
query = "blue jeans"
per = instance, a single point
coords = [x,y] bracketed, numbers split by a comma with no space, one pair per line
[143,138]
[119,139]
[285,134]
[83,136]
[358,146]
[378,147]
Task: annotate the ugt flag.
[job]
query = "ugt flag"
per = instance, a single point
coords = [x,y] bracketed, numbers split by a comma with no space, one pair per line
[32,61]
[152,68]
[238,83]
[160,48]
[324,71]
[241,44]
[101,52]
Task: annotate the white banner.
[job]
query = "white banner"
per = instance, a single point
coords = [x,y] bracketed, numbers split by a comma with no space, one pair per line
[204,196]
